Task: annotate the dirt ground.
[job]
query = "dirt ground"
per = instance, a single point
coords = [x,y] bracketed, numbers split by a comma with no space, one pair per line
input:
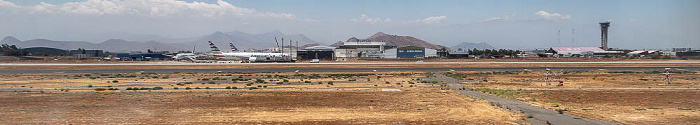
[224,107]
[628,97]
[580,79]
[356,98]
[669,107]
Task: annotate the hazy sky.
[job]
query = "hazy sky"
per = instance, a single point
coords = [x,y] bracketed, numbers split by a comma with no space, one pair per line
[522,24]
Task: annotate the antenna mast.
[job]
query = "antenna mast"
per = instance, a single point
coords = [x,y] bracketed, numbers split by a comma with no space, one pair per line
[278,43]
[282,48]
[558,37]
[573,36]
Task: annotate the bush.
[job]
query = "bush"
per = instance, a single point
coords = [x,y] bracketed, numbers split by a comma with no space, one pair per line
[128,88]
[175,88]
[228,87]
[157,88]
[188,88]
[89,85]
[115,81]
[234,87]
[99,89]
[251,88]
[113,89]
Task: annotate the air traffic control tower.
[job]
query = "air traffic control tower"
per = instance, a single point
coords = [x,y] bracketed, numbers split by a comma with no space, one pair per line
[604,34]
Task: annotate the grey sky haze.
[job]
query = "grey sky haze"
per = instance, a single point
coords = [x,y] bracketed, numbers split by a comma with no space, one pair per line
[524,24]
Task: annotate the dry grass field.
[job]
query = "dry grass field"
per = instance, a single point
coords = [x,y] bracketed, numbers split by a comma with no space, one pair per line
[628,97]
[238,98]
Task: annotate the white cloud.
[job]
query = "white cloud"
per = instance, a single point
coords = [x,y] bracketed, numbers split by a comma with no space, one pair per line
[552,16]
[149,8]
[435,19]
[507,17]
[367,19]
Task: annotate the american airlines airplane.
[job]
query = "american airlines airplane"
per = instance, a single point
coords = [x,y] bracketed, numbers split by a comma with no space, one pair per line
[248,56]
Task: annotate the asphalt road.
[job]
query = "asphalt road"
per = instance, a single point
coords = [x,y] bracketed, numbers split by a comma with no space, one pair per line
[330,69]
[173,63]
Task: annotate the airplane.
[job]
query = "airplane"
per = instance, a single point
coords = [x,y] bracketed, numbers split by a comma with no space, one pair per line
[248,56]
[233,48]
[186,56]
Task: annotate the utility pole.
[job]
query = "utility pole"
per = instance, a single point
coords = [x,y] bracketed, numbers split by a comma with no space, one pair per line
[558,37]
[278,43]
[573,36]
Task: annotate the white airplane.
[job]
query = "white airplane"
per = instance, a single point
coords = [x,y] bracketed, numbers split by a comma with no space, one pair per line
[248,56]
[186,56]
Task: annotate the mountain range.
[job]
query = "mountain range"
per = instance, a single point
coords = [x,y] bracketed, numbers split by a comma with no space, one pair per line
[241,40]
[395,40]
[467,46]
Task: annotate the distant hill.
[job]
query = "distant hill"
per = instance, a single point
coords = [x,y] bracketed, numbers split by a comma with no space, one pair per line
[395,40]
[244,40]
[241,40]
[466,45]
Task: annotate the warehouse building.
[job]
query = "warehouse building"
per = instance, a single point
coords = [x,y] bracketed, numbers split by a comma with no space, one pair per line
[410,52]
[582,52]
[143,56]
[317,52]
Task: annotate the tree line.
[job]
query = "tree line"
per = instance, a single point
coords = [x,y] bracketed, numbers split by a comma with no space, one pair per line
[11,50]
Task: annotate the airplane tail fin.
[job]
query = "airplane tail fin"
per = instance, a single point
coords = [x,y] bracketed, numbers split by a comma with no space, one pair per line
[233,48]
[213,47]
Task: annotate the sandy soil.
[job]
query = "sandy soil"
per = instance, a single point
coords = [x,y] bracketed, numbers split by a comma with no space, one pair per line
[670,107]
[580,79]
[222,107]
[351,99]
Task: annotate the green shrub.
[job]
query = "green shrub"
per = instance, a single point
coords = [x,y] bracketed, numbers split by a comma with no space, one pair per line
[99,89]
[228,87]
[115,81]
[157,88]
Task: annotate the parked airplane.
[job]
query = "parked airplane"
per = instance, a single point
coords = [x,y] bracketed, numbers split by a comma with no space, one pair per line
[248,56]
[186,56]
